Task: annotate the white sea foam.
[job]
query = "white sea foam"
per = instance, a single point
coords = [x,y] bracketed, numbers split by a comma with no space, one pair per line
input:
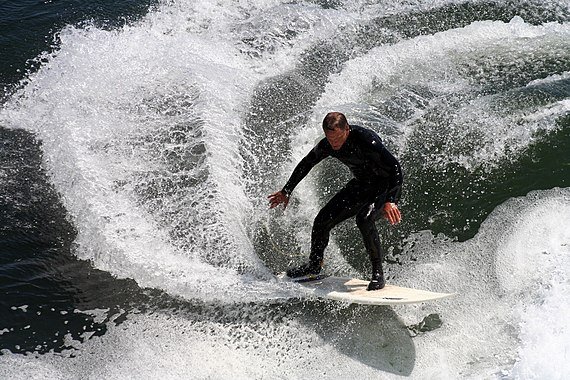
[533,265]
[95,104]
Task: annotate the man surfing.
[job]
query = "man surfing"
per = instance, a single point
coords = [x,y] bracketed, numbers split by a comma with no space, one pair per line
[374,191]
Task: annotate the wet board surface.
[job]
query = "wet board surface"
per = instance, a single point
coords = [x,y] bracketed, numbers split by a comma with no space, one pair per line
[354,291]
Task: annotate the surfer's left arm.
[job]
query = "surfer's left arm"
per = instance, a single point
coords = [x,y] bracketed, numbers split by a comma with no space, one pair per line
[396,179]
[391,166]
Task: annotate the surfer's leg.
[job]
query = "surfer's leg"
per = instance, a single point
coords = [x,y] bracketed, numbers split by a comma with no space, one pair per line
[365,220]
[345,204]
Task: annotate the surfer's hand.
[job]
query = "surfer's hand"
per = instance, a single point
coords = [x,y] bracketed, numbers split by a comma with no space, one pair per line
[392,213]
[278,198]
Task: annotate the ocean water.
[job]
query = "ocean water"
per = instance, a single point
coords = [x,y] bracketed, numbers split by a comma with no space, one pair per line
[139,141]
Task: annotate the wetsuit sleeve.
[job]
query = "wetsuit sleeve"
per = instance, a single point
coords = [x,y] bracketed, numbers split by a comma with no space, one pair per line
[389,165]
[396,178]
[316,155]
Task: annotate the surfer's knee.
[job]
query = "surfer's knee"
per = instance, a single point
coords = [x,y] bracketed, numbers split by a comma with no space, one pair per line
[365,218]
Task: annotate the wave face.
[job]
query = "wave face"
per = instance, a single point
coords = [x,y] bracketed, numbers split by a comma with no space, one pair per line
[158,142]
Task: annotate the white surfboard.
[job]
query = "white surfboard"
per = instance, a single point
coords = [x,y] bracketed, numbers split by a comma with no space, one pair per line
[354,291]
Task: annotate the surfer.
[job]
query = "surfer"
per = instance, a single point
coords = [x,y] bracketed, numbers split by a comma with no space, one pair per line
[373,192]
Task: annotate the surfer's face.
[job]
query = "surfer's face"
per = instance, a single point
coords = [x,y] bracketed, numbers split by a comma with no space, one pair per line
[336,137]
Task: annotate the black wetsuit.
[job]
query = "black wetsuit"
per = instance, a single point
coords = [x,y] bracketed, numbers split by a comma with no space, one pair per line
[377,180]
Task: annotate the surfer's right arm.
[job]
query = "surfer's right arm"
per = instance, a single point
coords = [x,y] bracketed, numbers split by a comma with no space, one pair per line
[316,155]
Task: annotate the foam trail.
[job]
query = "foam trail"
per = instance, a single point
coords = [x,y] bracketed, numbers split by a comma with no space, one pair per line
[534,261]
[143,151]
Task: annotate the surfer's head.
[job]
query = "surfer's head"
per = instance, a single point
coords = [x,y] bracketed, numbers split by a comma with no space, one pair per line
[335,120]
[336,129]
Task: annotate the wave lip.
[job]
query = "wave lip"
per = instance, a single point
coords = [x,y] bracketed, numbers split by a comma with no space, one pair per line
[142,146]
